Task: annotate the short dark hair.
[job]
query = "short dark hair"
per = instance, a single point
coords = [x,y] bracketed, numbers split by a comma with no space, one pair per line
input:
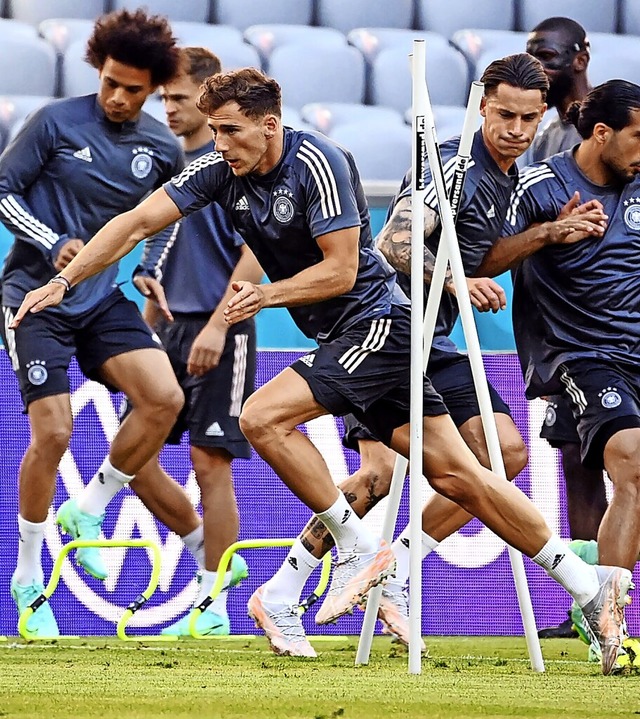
[521,70]
[610,103]
[199,63]
[137,39]
[575,34]
[256,94]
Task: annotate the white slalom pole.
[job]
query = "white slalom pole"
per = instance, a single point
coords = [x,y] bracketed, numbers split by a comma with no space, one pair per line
[477,367]
[418,194]
[433,303]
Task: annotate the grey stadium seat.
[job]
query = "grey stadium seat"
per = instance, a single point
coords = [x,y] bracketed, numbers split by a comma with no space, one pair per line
[266,38]
[14,109]
[192,10]
[480,47]
[451,15]
[630,16]
[381,151]
[328,74]
[27,65]
[243,13]
[225,41]
[34,11]
[593,15]
[390,80]
[346,16]
[326,116]
[61,32]
[76,76]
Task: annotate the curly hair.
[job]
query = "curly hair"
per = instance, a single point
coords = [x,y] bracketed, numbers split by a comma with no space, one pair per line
[256,94]
[137,39]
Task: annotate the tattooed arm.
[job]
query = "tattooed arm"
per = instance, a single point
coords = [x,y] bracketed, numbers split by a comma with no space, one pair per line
[394,240]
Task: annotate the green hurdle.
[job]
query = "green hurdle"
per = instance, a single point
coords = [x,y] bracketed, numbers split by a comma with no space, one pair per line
[255,544]
[57,569]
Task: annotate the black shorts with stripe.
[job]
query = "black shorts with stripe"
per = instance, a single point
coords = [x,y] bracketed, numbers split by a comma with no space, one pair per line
[450,374]
[605,399]
[213,401]
[365,372]
[559,426]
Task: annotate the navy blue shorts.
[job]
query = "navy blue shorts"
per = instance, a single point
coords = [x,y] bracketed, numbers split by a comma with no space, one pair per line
[42,346]
[214,400]
[559,426]
[450,374]
[365,372]
[605,399]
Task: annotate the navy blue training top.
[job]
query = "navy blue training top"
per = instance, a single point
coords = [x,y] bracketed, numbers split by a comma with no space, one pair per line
[314,189]
[582,299]
[67,173]
[195,263]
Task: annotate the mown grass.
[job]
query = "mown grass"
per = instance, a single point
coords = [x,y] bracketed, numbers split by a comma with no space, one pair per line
[238,678]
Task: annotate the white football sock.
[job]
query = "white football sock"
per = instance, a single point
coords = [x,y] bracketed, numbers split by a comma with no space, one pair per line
[348,530]
[401,550]
[560,563]
[102,488]
[29,565]
[219,604]
[194,542]
[286,585]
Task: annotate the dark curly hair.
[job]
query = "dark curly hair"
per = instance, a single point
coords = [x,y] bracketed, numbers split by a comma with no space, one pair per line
[137,39]
[256,94]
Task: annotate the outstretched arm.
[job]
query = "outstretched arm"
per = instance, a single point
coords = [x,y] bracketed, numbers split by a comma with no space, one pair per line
[118,237]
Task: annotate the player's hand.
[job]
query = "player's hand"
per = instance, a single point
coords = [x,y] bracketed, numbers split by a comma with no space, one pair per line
[67,252]
[577,227]
[575,207]
[37,300]
[150,288]
[247,302]
[486,294]
[206,350]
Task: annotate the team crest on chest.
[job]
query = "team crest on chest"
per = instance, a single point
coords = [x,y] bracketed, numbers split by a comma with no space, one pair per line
[141,163]
[632,213]
[283,205]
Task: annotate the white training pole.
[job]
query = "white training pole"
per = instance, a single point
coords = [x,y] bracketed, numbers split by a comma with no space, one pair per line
[418,194]
[400,467]
[477,367]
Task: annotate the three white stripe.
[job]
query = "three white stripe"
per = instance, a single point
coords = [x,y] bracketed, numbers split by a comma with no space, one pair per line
[32,227]
[576,394]
[11,338]
[322,173]
[374,342]
[211,158]
[239,374]
[528,178]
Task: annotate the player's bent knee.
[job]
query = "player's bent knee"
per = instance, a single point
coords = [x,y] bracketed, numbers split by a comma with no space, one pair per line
[515,457]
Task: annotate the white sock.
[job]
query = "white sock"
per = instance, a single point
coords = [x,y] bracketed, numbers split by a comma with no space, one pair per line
[560,563]
[29,565]
[286,585]
[401,549]
[102,488]
[219,604]
[347,528]
[194,542]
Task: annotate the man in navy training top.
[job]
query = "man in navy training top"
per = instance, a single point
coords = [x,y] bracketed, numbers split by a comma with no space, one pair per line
[576,306]
[215,363]
[297,200]
[513,106]
[562,46]
[75,164]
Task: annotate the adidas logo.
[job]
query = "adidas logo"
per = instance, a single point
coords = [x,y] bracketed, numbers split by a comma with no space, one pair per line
[84,154]
[101,477]
[491,212]
[242,204]
[293,562]
[345,516]
[214,430]
[308,360]
[405,542]
[556,560]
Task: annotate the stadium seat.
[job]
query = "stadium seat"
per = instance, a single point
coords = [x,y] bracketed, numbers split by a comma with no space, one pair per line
[630,17]
[448,118]
[34,11]
[328,74]
[14,109]
[480,47]
[76,76]
[451,15]
[155,107]
[382,151]
[593,15]
[390,78]
[292,118]
[326,116]
[346,16]
[225,41]
[266,38]
[61,32]
[27,65]
[243,13]
[192,10]
[614,56]
[17,29]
